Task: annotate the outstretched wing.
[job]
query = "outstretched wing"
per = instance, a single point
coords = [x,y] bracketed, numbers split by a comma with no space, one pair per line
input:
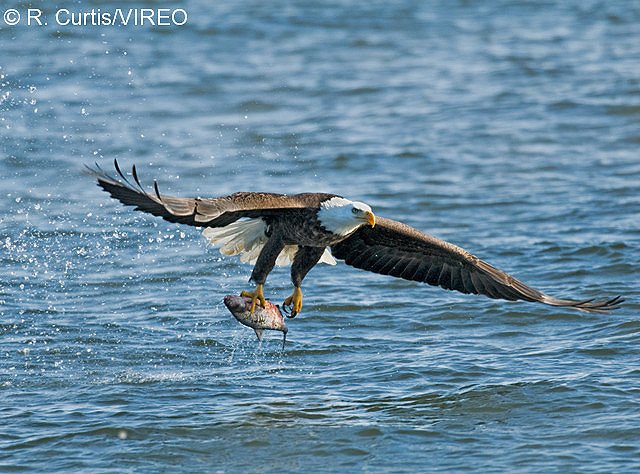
[201,212]
[393,248]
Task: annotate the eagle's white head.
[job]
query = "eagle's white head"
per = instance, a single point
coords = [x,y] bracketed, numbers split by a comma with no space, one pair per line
[342,216]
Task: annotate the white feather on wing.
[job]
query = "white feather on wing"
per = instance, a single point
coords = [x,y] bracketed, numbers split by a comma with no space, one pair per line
[246,237]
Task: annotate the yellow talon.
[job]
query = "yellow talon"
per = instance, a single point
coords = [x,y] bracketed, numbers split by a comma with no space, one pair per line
[256,296]
[295,301]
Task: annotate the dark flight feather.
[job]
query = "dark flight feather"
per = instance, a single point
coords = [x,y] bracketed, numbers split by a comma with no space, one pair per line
[201,212]
[393,248]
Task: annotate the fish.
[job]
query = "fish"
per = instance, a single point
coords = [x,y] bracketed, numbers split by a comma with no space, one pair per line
[270,317]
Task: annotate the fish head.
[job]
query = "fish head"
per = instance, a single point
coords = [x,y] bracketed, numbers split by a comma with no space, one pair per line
[234,303]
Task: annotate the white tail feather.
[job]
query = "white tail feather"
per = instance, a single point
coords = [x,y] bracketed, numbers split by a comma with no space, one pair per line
[247,237]
[327,257]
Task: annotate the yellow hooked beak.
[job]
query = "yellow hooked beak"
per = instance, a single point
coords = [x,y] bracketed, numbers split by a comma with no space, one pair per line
[371,218]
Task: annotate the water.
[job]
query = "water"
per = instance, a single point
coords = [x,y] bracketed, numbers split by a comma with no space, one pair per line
[510,129]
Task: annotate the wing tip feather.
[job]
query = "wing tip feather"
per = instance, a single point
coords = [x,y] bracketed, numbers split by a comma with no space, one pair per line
[591,305]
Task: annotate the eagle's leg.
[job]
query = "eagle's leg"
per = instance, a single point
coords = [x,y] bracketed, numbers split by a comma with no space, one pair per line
[294,301]
[256,296]
[264,264]
[305,260]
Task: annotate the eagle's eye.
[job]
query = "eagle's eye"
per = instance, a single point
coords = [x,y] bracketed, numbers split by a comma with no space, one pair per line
[355,210]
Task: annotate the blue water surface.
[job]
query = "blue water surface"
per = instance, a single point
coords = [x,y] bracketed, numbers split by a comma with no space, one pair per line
[509,128]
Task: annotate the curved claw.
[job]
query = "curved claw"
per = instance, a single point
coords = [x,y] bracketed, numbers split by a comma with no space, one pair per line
[294,302]
[256,296]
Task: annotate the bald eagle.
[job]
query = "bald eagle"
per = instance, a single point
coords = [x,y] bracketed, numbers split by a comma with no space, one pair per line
[269,229]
